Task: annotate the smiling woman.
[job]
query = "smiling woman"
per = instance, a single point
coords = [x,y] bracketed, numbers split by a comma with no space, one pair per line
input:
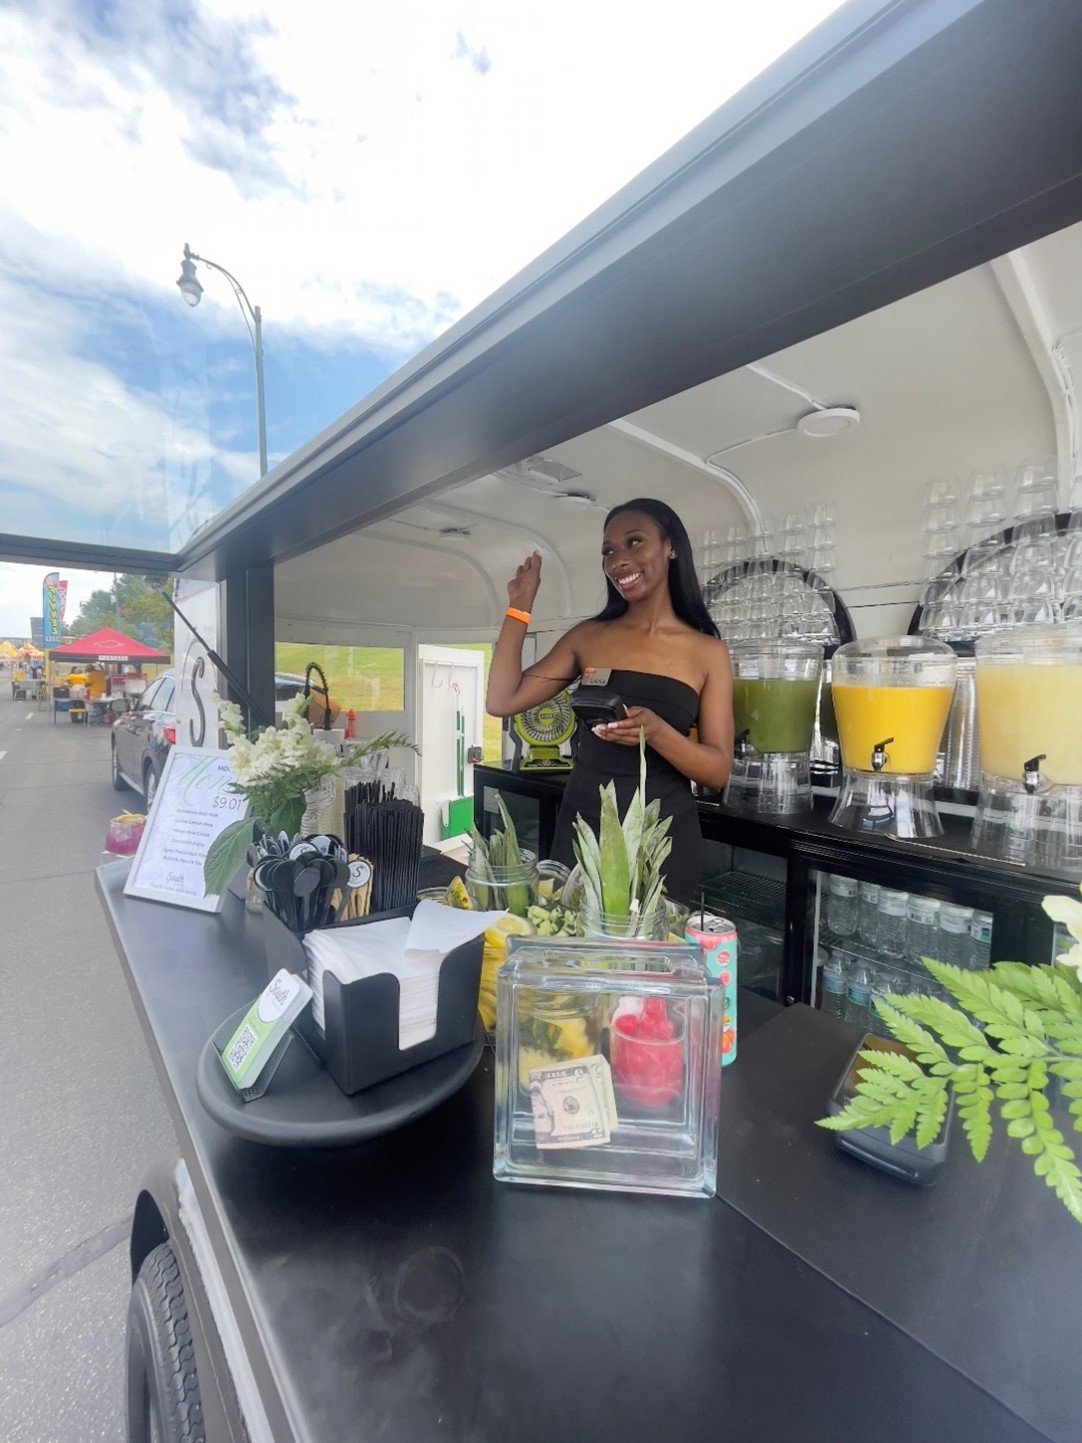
[655,646]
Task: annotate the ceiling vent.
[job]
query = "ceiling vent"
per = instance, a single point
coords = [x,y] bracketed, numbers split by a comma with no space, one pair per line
[455,531]
[543,468]
[539,473]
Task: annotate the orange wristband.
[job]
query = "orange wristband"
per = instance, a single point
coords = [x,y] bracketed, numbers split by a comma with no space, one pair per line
[516,615]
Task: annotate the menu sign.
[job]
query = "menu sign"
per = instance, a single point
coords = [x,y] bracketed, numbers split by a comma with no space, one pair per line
[192,806]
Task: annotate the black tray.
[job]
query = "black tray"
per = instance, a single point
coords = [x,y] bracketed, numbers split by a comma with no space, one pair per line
[304,1106]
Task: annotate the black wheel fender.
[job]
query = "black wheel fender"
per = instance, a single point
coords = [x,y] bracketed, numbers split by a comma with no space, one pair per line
[161,1376]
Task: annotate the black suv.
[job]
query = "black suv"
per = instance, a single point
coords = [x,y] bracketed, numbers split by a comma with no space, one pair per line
[142,737]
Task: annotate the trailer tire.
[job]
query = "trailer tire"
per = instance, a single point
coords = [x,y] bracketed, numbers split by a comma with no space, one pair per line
[119,783]
[163,1404]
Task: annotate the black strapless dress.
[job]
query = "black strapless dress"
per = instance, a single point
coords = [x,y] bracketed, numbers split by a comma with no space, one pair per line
[598,762]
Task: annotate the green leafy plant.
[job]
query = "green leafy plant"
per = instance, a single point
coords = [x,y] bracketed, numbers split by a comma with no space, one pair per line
[621,866]
[494,863]
[274,768]
[1013,1030]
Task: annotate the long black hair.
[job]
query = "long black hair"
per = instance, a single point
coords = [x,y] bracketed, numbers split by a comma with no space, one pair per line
[685,592]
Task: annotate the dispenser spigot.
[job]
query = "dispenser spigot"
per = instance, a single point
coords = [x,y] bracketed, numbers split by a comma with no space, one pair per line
[741,746]
[1032,773]
[880,756]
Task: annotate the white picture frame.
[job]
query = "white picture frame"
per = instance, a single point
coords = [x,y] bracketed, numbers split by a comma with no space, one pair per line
[194,803]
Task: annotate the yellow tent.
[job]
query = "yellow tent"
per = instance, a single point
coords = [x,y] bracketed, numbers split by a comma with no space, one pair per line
[7,650]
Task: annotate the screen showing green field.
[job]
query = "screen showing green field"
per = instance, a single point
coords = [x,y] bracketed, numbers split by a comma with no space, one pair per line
[360,678]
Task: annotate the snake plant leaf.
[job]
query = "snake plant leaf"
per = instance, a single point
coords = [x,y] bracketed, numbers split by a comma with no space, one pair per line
[633,838]
[615,882]
[481,869]
[510,836]
[588,856]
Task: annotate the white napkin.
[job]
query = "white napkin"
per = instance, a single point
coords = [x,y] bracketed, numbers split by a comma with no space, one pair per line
[413,951]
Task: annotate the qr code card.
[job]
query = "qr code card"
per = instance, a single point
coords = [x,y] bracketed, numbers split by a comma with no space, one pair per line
[263,1027]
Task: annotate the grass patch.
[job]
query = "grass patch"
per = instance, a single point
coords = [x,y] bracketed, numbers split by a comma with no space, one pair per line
[361,678]
[372,678]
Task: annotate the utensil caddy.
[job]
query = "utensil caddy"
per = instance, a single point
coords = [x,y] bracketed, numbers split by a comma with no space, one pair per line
[359,1043]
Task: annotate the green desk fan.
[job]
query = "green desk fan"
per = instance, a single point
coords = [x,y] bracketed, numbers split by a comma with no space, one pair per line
[543,729]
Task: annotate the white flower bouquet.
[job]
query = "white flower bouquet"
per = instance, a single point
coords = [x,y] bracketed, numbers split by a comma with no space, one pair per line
[274,768]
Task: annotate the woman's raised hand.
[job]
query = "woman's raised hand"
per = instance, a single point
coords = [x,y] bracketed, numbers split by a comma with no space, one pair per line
[523,587]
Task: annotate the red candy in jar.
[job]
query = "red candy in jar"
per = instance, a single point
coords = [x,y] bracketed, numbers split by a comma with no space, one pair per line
[646,1052]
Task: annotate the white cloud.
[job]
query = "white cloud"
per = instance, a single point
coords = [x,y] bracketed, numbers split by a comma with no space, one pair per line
[20,594]
[368,171]
[343,158]
[115,462]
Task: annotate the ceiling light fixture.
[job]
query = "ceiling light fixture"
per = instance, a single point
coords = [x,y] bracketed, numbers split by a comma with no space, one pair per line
[828,421]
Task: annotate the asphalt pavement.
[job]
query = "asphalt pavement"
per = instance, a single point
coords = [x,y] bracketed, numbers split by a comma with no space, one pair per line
[81,1114]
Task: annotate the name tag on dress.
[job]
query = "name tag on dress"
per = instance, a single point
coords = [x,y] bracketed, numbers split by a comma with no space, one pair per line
[595,676]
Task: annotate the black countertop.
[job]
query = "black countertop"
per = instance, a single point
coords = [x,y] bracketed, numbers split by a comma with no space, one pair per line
[395,1291]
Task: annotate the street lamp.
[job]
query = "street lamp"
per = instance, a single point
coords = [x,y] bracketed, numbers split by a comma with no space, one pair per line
[192,291]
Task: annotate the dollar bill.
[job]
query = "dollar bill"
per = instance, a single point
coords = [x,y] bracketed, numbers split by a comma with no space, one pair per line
[602,1074]
[573,1103]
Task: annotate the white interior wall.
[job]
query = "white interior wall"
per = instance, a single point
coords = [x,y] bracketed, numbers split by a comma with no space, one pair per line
[944,381]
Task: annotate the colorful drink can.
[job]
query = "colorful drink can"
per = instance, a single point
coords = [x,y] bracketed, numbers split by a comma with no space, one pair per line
[717,938]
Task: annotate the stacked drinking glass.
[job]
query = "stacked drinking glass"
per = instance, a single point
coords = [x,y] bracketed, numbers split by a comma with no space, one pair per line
[983,573]
[773,583]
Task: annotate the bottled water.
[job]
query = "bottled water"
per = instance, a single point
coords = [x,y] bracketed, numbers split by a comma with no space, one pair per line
[892,921]
[834,988]
[876,1023]
[922,930]
[954,924]
[980,941]
[858,998]
[869,914]
[842,906]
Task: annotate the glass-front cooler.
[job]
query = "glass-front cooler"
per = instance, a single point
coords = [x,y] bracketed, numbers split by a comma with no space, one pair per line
[749,888]
[868,921]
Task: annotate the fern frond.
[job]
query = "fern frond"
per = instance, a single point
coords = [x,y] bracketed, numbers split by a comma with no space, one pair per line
[907,1030]
[974,1103]
[930,1115]
[946,1021]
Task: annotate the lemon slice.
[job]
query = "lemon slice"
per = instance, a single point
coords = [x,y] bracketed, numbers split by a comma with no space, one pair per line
[508,926]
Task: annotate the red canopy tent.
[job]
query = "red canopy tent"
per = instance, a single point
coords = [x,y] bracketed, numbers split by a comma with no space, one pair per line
[106,645]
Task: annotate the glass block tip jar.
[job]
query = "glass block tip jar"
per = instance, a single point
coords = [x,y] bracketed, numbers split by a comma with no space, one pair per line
[607,1071]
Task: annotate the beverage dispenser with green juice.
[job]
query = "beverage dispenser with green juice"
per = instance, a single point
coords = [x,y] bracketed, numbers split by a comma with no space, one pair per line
[891,698]
[775,688]
[1029,712]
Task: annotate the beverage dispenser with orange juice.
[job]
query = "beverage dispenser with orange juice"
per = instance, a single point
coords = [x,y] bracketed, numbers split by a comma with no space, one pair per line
[1029,715]
[891,698]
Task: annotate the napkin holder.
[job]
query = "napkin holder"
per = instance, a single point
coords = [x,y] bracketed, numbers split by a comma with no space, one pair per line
[359,1044]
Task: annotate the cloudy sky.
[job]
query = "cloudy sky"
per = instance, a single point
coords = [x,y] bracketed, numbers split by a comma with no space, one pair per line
[369,172]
